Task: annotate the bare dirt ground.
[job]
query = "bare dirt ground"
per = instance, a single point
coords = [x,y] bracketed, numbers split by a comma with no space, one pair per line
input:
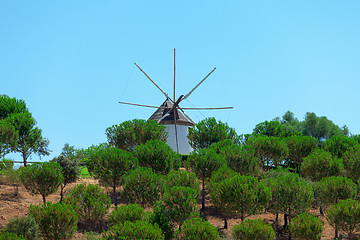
[12,206]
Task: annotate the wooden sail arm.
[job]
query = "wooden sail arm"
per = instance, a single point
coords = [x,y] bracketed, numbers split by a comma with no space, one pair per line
[187,95]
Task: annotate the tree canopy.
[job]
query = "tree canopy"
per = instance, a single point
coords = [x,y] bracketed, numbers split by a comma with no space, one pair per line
[132,133]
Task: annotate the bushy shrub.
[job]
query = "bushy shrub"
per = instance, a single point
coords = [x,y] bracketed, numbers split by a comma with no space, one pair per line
[197,229]
[42,178]
[10,236]
[221,174]
[6,164]
[180,204]
[253,229]
[134,230]
[56,221]
[89,201]
[183,178]
[344,216]
[157,155]
[131,212]
[11,177]
[333,189]
[306,227]
[25,227]
[70,170]
[162,219]
[142,186]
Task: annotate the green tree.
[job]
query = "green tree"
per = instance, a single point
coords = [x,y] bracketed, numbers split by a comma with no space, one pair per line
[291,194]
[319,127]
[333,189]
[110,164]
[240,196]
[30,139]
[338,145]
[253,229]
[24,226]
[157,155]
[351,161]
[89,201]
[270,129]
[209,131]
[344,216]
[138,230]
[306,227]
[290,124]
[131,212]
[299,148]
[269,150]
[241,159]
[132,133]
[320,164]
[180,204]
[183,178]
[197,229]
[10,105]
[221,174]
[203,163]
[42,178]
[56,221]
[143,186]
[8,138]
[70,171]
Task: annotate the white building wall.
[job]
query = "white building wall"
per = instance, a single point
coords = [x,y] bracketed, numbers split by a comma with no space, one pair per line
[183,141]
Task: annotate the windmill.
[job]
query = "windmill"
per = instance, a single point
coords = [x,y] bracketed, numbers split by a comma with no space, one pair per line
[170,114]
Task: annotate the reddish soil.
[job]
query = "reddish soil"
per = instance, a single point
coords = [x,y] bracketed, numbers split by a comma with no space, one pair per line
[12,206]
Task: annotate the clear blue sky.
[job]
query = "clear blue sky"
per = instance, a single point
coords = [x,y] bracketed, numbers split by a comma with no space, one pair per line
[72,61]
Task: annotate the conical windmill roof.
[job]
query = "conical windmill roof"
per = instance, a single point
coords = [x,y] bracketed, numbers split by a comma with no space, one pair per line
[169,120]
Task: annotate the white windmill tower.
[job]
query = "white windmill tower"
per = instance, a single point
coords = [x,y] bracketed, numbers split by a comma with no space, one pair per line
[173,117]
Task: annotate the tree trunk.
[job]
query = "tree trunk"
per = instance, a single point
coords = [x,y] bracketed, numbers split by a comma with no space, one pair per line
[203,196]
[115,198]
[285,220]
[289,224]
[225,222]
[24,158]
[336,232]
[44,200]
[276,217]
[61,192]
[321,211]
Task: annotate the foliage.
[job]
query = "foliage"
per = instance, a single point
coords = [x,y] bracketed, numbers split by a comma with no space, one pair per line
[344,216]
[320,127]
[132,133]
[197,229]
[209,131]
[218,146]
[142,186]
[270,129]
[240,196]
[290,124]
[8,138]
[89,201]
[10,105]
[180,204]
[25,227]
[221,174]
[11,177]
[333,189]
[157,155]
[351,161]
[10,236]
[30,139]
[306,227]
[269,149]
[253,229]
[110,164]
[131,212]
[161,218]
[183,178]
[70,171]
[6,164]
[56,221]
[299,148]
[204,162]
[338,145]
[291,194]
[42,178]
[134,230]
[320,164]
[241,159]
